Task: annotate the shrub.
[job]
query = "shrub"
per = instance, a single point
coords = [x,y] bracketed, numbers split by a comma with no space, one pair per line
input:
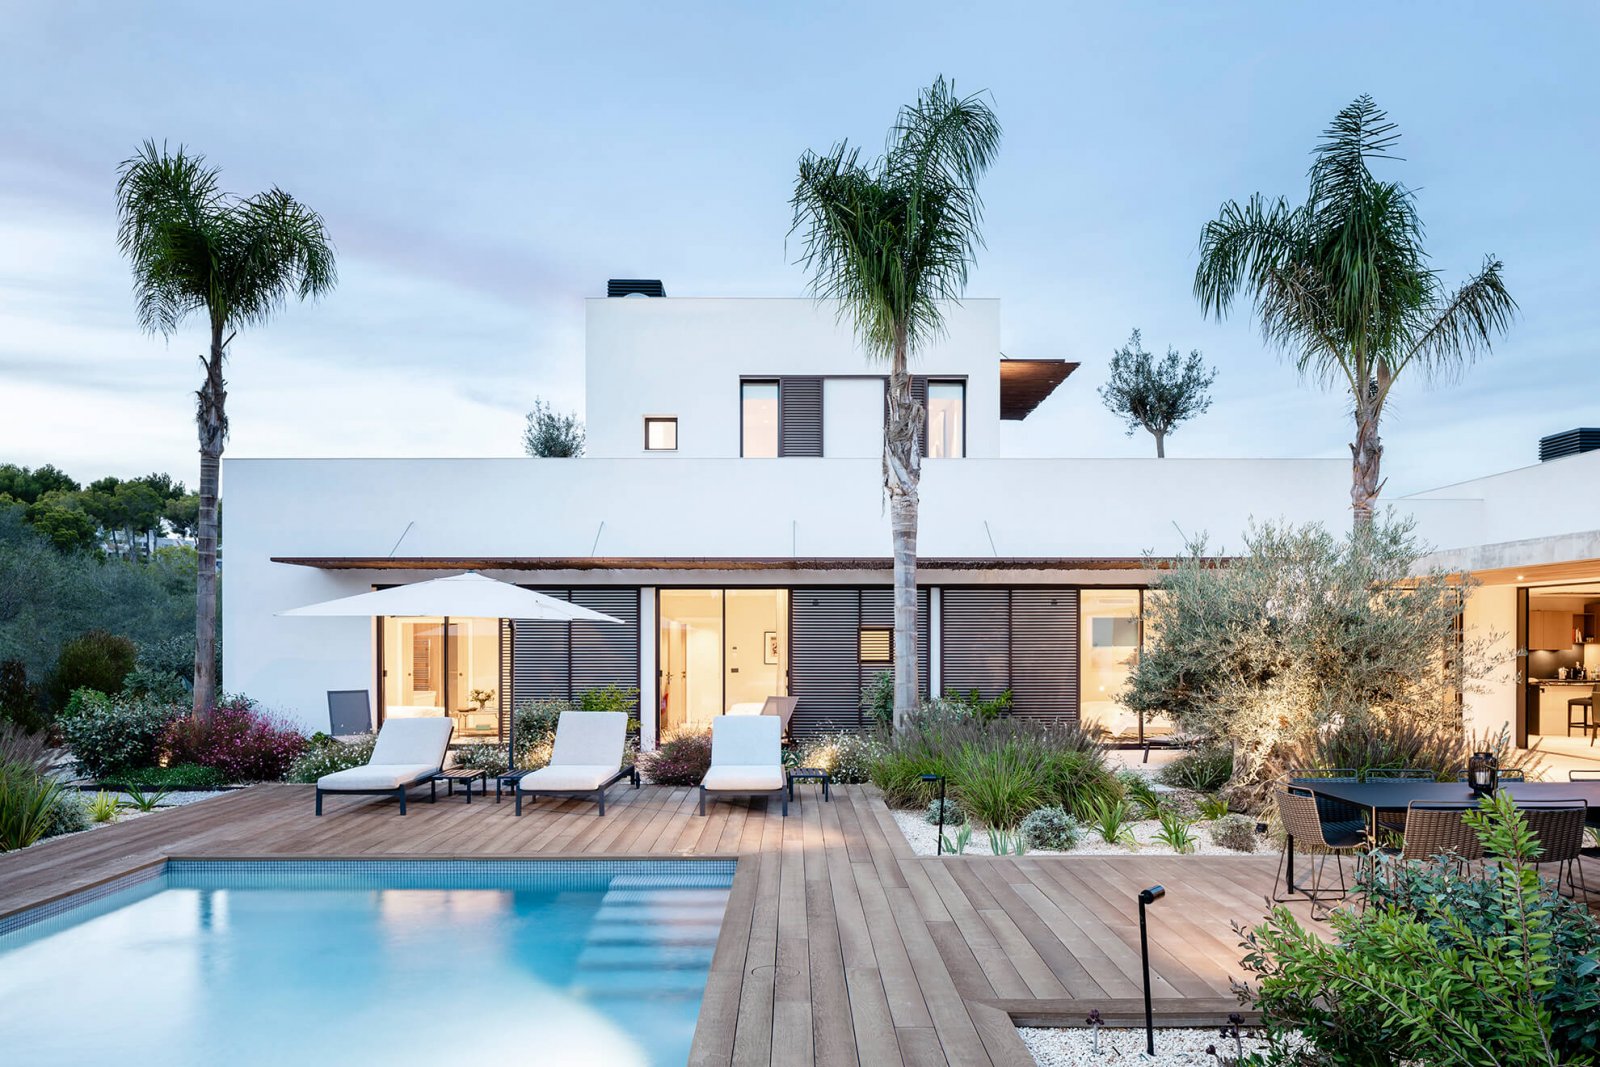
[103,807]
[1176,832]
[1205,770]
[69,815]
[681,759]
[20,701]
[1147,803]
[1441,967]
[96,660]
[997,787]
[236,739]
[1050,828]
[877,699]
[613,698]
[489,758]
[848,758]
[107,736]
[1236,832]
[329,756]
[979,707]
[176,776]
[27,805]
[536,722]
[952,814]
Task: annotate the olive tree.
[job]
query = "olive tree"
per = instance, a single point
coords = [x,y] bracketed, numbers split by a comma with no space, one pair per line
[1157,394]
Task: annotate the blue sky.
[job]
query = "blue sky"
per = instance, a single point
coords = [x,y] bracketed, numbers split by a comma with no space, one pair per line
[485,167]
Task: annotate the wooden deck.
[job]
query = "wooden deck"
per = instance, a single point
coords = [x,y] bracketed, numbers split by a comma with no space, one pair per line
[838,947]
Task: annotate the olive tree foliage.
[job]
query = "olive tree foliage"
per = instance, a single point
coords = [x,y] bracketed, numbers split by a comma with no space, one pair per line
[1305,631]
[1157,394]
[551,434]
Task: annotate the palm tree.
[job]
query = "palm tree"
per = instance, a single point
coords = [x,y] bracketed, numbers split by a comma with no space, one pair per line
[195,248]
[1342,285]
[890,241]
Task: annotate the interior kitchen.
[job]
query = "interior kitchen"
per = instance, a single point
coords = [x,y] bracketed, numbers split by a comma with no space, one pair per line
[1563,643]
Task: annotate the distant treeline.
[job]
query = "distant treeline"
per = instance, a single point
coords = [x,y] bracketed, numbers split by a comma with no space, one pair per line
[121,517]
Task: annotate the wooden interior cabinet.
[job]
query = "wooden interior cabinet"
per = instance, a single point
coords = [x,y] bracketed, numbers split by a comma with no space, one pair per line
[1550,629]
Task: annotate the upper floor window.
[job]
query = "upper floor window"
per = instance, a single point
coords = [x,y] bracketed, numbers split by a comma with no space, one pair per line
[947,427]
[660,433]
[758,419]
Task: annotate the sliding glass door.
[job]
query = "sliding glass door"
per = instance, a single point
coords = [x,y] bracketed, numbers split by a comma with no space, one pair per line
[721,651]
[443,666]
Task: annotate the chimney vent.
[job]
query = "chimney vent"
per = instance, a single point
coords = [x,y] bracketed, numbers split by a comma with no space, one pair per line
[635,287]
[1569,443]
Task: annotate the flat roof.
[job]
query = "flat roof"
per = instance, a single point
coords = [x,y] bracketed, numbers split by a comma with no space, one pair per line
[709,563]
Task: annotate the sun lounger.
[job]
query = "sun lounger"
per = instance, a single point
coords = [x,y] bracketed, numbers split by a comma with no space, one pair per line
[408,752]
[586,759]
[746,759]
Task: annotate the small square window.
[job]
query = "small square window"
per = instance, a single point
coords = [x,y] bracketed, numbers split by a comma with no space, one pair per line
[660,434]
[876,644]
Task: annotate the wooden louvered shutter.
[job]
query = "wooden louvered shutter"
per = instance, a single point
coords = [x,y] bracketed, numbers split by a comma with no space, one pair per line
[975,640]
[877,609]
[823,671]
[542,657]
[800,416]
[1044,653]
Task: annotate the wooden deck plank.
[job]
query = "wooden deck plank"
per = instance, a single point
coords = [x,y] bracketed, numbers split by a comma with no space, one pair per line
[838,946]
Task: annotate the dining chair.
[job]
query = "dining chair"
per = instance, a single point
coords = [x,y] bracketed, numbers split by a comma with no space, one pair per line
[1302,820]
[1338,814]
[1559,826]
[1396,821]
[1439,830]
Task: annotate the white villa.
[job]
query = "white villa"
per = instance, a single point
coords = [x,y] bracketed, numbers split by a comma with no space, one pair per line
[729,511]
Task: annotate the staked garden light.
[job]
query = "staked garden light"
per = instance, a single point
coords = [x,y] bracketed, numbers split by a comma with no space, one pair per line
[1148,897]
[938,849]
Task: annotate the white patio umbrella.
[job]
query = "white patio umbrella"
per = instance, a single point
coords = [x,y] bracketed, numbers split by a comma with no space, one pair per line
[469,595]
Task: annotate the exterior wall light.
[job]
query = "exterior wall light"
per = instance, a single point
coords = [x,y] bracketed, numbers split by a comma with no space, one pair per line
[1148,897]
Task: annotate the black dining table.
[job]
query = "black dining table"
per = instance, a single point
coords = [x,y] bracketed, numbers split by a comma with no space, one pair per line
[1397,794]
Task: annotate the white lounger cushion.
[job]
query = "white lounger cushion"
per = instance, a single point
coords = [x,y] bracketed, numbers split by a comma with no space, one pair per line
[734,778]
[749,707]
[587,752]
[576,778]
[409,741]
[746,754]
[406,750]
[375,776]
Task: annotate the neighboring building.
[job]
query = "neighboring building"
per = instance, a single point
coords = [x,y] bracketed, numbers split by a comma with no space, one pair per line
[730,511]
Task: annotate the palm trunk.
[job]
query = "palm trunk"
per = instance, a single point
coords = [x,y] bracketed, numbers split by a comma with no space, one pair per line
[212,421]
[1366,455]
[902,474]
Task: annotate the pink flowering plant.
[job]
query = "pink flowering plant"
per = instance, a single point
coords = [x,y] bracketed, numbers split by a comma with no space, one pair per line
[238,739]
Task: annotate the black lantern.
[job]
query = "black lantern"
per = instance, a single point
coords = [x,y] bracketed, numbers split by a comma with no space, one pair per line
[1483,774]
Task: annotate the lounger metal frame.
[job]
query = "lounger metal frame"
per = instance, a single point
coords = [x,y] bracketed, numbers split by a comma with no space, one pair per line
[398,792]
[782,793]
[627,771]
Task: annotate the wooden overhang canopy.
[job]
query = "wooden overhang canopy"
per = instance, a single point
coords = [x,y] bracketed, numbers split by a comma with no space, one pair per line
[683,563]
[1025,383]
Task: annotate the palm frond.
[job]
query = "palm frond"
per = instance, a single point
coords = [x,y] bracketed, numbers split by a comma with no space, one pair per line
[1451,334]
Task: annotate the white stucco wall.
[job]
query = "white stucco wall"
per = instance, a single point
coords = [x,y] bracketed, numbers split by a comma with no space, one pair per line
[704,508]
[684,357]
[1534,502]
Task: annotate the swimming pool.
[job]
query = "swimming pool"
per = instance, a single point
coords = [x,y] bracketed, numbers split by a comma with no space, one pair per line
[352,962]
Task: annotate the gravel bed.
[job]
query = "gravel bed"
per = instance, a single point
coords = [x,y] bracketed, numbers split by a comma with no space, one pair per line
[924,840]
[1071,1046]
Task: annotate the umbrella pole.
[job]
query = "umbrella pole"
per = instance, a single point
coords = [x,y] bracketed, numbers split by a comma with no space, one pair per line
[511,707]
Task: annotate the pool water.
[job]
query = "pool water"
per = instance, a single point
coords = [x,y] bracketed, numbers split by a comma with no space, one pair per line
[335,962]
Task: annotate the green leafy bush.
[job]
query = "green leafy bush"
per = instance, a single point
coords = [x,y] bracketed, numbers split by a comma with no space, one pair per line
[1204,770]
[877,699]
[983,709]
[488,757]
[1110,818]
[1176,832]
[536,722]
[1236,832]
[1441,967]
[331,755]
[1050,828]
[848,758]
[680,759]
[70,814]
[177,776]
[1212,806]
[613,698]
[96,660]
[1146,802]
[945,811]
[110,736]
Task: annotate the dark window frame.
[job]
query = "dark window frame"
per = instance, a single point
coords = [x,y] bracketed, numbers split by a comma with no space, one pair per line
[648,420]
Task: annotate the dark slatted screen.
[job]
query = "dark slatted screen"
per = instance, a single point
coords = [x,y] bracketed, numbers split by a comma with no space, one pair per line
[800,416]
[1024,639]
[919,392]
[825,671]
[560,660]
